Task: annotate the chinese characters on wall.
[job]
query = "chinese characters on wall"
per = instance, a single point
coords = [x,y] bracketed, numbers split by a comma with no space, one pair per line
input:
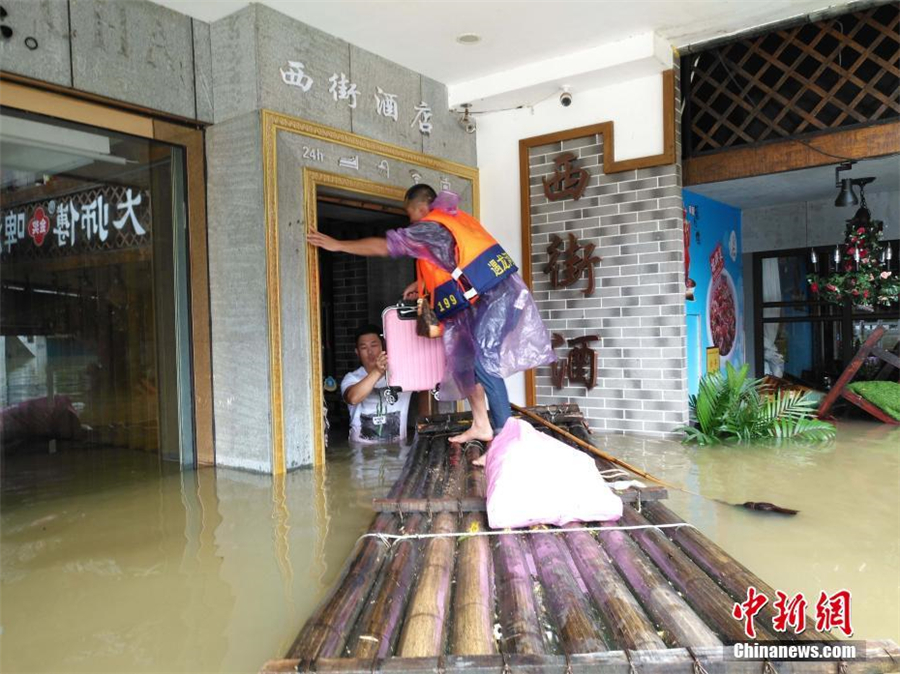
[578,260]
[566,265]
[568,181]
[342,89]
[579,367]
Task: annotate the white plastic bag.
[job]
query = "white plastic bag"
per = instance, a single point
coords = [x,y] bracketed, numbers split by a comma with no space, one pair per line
[533,478]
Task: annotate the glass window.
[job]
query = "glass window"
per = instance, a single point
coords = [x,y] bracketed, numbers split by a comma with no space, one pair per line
[800,337]
[94,314]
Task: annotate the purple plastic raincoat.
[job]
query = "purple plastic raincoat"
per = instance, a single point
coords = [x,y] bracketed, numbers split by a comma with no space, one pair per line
[503,329]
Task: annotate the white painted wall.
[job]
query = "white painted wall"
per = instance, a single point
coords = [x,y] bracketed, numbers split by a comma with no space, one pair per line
[634,106]
[813,223]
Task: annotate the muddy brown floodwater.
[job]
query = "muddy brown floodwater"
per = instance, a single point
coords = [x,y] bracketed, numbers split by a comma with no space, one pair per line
[110,564]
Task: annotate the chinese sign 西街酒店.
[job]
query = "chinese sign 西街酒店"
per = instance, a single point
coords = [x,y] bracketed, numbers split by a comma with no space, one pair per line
[341,89]
[109,217]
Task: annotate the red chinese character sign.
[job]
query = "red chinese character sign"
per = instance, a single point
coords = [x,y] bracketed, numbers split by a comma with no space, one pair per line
[748,609]
[38,226]
[832,612]
[790,612]
[578,260]
[568,181]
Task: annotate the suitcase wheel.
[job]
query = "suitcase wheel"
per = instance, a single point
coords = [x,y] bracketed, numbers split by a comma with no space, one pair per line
[390,395]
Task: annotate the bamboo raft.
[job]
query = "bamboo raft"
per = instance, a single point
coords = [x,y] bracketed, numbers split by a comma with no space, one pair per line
[641,600]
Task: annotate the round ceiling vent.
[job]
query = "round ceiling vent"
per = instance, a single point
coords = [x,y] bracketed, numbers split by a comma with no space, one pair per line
[468,38]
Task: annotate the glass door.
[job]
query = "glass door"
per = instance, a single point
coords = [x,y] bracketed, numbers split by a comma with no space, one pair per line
[94,319]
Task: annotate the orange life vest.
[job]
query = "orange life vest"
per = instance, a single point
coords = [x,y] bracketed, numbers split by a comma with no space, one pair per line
[481,265]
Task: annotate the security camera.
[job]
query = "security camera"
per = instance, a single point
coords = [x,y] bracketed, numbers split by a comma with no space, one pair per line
[467,125]
[466,122]
[565,98]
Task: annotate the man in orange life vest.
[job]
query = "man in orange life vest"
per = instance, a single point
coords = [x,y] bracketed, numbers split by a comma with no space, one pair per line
[491,325]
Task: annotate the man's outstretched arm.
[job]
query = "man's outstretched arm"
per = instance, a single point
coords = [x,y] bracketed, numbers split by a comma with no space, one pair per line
[372,246]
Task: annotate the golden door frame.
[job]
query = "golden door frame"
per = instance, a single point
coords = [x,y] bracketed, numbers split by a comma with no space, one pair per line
[312,179]
[30,96]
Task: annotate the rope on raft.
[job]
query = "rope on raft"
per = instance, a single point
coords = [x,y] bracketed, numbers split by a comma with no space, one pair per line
[390,539]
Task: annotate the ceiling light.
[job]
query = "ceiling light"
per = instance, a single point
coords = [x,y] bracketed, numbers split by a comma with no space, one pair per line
[468,38]
[846,197]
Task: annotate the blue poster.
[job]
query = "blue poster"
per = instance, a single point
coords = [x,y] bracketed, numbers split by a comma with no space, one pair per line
[714,288]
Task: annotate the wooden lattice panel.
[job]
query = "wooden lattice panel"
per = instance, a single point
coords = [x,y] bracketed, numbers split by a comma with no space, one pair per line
[814,77]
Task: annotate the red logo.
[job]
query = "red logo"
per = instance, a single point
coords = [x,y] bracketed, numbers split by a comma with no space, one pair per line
[38,226]
[747,610]
[834,612]
[831,612]
[790,612]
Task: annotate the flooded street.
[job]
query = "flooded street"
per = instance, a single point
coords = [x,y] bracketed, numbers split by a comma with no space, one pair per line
[846,536]
[108,566]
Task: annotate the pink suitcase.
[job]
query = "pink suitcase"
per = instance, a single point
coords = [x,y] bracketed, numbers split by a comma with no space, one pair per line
[414,363]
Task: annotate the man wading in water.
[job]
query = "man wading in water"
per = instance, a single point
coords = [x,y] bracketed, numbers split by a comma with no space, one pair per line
[491,326]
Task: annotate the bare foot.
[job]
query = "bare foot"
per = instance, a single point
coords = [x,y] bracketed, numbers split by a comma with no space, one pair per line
[480,461]
[485,434]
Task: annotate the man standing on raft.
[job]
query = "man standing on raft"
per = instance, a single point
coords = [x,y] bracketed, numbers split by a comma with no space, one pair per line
[492,328]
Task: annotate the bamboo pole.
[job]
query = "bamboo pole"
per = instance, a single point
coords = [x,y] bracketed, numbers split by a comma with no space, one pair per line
[473,602]
[475,483]
[872,657]
[324,634]
[594,450]
[567,606]
[475,504]
[725,569]
[423,629]
[326,631]
[623,615]
[764,507]
[437,468]
[518,613]
[379,625]
[454,489]
[660,600]
[701,592]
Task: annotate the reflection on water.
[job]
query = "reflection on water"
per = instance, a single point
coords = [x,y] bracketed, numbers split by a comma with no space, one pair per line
[108,565]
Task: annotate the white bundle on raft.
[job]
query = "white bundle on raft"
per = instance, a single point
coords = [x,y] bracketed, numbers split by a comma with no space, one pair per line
[533,478]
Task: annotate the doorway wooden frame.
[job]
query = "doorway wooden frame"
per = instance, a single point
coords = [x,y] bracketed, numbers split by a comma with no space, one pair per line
[22,94]
[312,179]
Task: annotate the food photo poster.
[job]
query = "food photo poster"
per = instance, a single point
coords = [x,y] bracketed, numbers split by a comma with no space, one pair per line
[713,280]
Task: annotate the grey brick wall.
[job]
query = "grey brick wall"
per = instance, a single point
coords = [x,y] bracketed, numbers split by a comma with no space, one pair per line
[351,308]
[634,218]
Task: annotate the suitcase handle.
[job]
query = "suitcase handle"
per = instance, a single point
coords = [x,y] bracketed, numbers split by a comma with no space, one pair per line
[407,310]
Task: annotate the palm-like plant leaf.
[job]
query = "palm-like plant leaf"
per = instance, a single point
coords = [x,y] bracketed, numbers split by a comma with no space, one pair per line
[731,406]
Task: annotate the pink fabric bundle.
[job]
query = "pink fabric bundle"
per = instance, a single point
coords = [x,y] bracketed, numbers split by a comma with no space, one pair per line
[533,478]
